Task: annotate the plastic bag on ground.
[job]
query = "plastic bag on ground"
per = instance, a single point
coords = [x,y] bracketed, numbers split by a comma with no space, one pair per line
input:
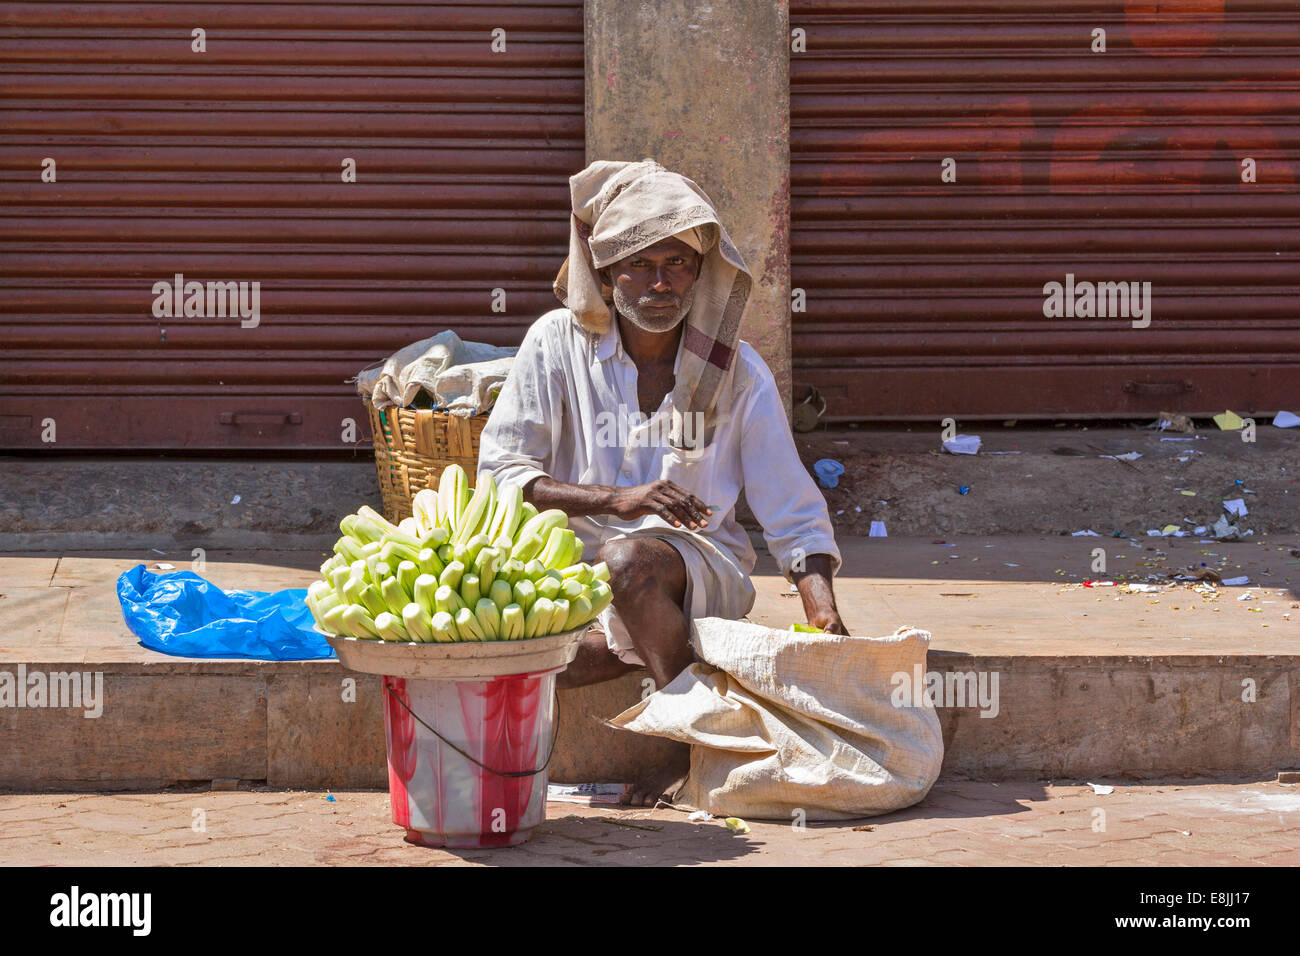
[181,613]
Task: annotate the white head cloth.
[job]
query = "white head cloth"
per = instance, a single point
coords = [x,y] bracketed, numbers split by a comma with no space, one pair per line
[625,207]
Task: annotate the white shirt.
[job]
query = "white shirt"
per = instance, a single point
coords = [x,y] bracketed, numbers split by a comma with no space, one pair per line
[569,410]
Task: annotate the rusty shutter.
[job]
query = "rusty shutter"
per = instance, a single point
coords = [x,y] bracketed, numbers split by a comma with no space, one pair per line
[227,166]
[926,298]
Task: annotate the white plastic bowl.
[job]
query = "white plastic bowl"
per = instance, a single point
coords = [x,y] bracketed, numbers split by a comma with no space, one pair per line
[462,660]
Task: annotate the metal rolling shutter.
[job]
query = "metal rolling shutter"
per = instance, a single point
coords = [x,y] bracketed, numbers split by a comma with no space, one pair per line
[226,166]
[925,299]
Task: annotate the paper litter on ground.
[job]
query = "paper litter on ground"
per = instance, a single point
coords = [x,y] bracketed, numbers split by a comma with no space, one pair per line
[962,445]
[1286,420]
[1236,506]
[1228,421]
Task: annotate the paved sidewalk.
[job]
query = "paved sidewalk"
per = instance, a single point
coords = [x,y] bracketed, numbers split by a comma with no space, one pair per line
[958,824]
[977,595]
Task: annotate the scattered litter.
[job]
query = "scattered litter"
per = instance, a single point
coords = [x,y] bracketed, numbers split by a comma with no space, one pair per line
[857,507]
[1228,421]
[330,798]
[1170,422]
[1238,582]
[1127,456]
[963,489]
[1248,596]
[841,442]
[1286,420]
[1010,565]
[1237,506]
[1199,529]
[1169,529]
[840,512]
[735,825]
[1084,534]
[1142,588]
[699,816]
[165,567]
[878,530]
[1098,584]
[865,828]
[962,445]
[828,472]
[1225,530]
[1195,438]
[235,500]
[1101,789]
[1184,491]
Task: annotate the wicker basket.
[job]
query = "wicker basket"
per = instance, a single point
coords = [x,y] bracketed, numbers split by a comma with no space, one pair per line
[413,446]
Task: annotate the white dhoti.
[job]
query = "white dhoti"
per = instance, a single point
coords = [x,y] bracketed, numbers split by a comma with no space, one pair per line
[716,586]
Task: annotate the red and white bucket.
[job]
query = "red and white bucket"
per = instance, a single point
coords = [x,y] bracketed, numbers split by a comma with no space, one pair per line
[484,782]
[470,729]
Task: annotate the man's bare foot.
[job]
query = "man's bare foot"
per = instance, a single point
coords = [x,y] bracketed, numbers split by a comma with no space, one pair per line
[662,783]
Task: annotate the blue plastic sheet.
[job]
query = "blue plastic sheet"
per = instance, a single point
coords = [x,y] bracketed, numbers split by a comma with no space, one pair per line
[181,613]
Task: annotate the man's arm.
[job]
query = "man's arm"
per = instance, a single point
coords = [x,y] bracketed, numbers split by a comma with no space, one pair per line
[664,498]
[788,504]
[818,595]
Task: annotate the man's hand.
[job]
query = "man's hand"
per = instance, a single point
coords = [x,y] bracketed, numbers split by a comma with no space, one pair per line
[664,498]
[828,621]
[814,584]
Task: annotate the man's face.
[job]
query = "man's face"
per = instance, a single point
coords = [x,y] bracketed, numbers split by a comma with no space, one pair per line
[654,288]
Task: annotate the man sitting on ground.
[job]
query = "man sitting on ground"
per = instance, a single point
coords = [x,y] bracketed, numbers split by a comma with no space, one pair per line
[643,423]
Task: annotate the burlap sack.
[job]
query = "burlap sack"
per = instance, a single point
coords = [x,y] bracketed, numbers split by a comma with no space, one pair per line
[781,721]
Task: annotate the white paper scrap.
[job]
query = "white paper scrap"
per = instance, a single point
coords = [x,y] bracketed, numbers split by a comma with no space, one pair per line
[962,445]
[1101,789]
[878,530]
[1237,506]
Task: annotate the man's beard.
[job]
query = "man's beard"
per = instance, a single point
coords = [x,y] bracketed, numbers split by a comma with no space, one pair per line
[652,320]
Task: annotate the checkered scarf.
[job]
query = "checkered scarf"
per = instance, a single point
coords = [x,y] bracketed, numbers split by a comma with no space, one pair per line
[620,208]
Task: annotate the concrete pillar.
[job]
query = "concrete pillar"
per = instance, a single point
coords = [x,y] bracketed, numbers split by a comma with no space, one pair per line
[704,90]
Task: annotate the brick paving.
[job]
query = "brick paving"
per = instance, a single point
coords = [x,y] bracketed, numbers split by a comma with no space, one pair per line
[959,824]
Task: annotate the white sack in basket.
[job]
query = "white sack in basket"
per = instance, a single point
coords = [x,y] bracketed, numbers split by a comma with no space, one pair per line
[781,721]
[463,377]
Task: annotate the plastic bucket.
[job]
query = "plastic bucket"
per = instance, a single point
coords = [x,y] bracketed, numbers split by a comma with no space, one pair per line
[469,729]
[442,797]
